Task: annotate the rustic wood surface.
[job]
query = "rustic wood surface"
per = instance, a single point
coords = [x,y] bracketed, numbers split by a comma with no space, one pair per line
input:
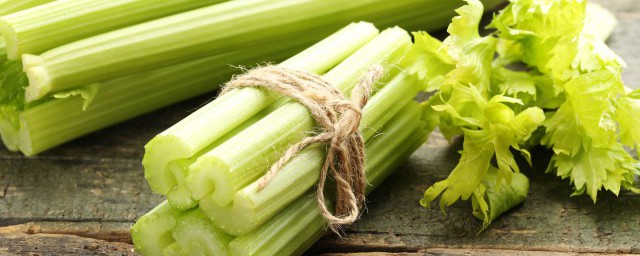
[81,198]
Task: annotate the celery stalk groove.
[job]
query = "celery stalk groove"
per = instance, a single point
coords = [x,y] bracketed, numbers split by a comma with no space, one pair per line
[50,25]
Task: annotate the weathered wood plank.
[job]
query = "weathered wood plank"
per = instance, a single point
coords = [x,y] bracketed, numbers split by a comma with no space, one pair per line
[54,245]
[93,187]
[74,190]
[106,231]
[457,252]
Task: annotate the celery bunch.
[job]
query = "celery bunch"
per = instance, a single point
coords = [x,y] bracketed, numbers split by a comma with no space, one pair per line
[72,67]
[210,164]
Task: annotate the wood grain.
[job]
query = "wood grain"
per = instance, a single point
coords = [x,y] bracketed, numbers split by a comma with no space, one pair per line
[82,197]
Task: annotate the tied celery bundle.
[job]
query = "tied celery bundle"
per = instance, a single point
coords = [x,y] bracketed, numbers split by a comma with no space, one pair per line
[211,164]
[543,77]
[73,67]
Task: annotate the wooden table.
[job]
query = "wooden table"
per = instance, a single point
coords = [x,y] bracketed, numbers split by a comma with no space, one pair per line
[81,198]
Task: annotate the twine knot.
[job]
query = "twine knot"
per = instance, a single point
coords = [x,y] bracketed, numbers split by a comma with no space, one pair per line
[339,118]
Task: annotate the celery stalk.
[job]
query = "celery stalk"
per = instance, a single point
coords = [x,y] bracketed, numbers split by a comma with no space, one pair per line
[180,197]
[152,232]
[59,120]
[397,140]
[50,25]
[208,30]
[243,158]
[195,235]
[200,129]
[251,207]
[11,6]
[296,227]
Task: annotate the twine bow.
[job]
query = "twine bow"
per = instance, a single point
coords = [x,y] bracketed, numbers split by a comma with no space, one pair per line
[340,119]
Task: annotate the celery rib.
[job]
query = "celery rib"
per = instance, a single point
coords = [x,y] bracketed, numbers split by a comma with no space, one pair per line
[243,158]
[11,6]
[43,126]
[50,25]
[195,235]
[294,229]
[189,136]
[152,232]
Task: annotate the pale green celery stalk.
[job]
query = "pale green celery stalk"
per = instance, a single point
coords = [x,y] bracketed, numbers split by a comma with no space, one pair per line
[195,235]
[152,232]
[180,197]
[295,228]
[208,30]
[168,231]
[208,124]
[171,250]
[393,135]
[47,26]
[59,120]
[11,6]
[251,207]
[240,160]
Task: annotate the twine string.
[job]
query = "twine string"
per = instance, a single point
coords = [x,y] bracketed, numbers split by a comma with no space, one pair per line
[339,119]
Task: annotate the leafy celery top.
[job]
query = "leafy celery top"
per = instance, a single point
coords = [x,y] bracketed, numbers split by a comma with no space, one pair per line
[542,76]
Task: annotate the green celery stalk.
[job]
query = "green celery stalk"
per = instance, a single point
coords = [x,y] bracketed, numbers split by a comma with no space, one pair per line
[11,6]
[251,207]
[237,162]
[398,136]
[208,124]
[208,30]
[180,197]
[47,26]
[195,235]
[56,121]
[152,232]
[298,226]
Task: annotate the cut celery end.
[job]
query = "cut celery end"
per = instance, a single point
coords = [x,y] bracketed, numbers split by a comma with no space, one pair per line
[172,250]
[211,122]
[244,214]
[50,25]
[209,177]
[154,152]
[195,235]
[180,197]
[152,232]
[243,158]
[10,136]
[251,207]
